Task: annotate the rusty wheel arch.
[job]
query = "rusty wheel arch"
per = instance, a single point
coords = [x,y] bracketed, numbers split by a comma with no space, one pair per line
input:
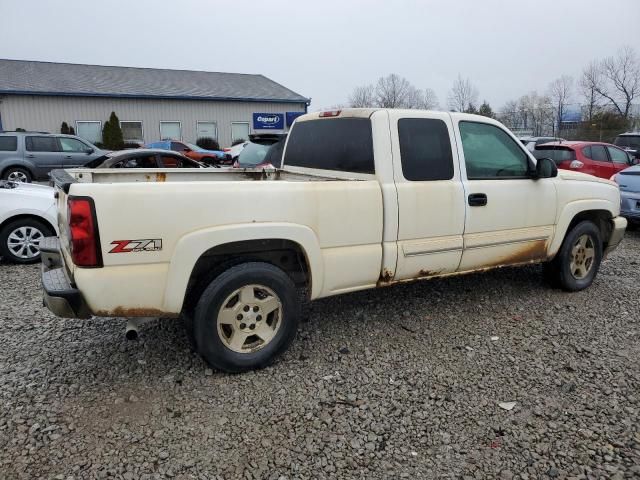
[287,255]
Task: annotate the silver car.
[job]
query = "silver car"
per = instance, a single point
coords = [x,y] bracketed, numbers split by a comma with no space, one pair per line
[27,156]
[629,182]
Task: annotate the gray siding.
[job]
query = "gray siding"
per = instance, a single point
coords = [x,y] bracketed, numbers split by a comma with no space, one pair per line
[47,113]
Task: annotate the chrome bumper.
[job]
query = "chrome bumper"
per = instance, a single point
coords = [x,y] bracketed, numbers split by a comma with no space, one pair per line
[59,295]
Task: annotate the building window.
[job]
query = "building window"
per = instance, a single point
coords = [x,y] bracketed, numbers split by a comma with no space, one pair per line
[206,130]
[89,130]
[170,131]
[132,131]
[239,131]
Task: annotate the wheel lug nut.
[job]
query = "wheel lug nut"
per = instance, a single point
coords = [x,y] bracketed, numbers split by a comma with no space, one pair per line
[252,326]
[246,308]
[259,317]
[242,325]
[255,309]
[239,317]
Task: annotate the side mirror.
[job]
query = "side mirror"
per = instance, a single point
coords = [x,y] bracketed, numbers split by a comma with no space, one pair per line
[546,168]
[89,150]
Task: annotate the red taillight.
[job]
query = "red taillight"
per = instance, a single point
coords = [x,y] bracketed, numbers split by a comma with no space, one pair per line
[83,233]
[330,113]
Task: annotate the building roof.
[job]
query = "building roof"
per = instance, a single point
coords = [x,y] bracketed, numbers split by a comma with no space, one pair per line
[23,77]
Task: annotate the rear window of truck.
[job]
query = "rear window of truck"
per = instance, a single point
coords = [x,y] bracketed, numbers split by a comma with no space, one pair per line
[425,149]
[342,144]
[8,144]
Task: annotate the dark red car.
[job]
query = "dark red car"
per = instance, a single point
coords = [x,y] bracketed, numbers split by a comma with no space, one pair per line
[595,158]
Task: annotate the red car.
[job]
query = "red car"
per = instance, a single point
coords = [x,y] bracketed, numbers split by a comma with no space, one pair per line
[595,158]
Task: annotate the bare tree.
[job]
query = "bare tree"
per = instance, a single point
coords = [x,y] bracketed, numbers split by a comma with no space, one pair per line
[462,95]
[590,83]
[393,91]
[559,93]
[430,100]
[509,114]
[621,80]
[362,96]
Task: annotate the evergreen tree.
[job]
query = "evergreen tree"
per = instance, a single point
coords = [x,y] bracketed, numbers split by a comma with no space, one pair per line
[112,133]
[485,110]
[471,109]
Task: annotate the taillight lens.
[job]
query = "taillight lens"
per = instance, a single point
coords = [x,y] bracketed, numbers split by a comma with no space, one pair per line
[83,233]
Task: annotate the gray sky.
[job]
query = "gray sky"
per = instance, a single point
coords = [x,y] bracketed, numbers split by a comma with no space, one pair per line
[322,49]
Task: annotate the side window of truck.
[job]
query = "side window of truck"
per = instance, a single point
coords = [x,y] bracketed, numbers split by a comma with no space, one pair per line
[342,144]
[490,153]
[425,148]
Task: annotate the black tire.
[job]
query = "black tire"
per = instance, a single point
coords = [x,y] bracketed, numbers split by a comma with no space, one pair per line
[11,172]
[205,326]
[559,273]
[31,223]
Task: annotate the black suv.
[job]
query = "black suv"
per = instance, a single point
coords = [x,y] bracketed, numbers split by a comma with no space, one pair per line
[630,142]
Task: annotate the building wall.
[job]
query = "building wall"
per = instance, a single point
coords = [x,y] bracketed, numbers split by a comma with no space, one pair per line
[34,112]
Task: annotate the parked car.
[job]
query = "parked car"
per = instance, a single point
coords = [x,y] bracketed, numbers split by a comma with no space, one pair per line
[365,198]
[210,157]
[595,158]
[531,142]
[144,158]
[27,216]
[27,156]
[629,182]
[234,151]
[630,142]
[262,151]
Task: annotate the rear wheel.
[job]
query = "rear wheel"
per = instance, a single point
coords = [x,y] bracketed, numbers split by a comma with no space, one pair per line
[576,264]
[20,240]
[246,317]
[17,174]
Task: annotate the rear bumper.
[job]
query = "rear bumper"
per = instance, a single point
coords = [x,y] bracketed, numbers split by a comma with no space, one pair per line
[619,226]
[59,295]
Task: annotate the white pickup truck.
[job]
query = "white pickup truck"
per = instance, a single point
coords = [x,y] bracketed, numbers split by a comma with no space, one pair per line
[365,198]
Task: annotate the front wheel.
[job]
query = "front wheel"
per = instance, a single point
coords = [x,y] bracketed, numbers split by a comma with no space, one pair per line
[246,317]
[20,240]
[576,264]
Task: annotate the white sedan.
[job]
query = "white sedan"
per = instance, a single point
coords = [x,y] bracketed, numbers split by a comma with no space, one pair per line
[27,215]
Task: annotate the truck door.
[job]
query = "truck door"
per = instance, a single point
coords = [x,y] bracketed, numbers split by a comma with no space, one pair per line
[430,194]
[510,216]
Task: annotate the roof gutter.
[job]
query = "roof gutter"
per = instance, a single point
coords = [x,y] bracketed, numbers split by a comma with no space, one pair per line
[154,97]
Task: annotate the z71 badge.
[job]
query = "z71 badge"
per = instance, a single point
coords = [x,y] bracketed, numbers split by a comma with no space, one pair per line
[127,246]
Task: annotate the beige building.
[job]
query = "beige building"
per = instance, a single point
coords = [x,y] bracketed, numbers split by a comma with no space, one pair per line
[151,104]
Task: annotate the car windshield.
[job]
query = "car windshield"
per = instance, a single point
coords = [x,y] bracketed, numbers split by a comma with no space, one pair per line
[193,147]
[253,154]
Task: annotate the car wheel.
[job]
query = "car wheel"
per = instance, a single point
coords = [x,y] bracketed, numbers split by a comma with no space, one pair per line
[17,174]
[578,260]
[20,240]
[246,317]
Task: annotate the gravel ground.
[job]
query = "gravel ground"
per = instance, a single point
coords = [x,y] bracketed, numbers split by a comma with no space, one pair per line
[403,382]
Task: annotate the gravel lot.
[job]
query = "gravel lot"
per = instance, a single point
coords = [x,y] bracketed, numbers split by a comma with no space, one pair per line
[399,382]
